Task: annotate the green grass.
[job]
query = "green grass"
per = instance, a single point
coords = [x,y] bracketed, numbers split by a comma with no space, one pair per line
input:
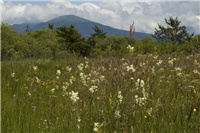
[41,100]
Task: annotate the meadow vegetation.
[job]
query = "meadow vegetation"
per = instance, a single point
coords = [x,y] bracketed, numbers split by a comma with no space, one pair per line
[52,83]
[134,93]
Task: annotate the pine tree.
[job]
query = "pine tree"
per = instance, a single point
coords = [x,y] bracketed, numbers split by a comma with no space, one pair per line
[51,26]
[173,33]
[27,28]
[98,32]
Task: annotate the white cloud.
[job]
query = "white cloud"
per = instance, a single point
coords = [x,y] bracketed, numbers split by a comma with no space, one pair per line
[119,14]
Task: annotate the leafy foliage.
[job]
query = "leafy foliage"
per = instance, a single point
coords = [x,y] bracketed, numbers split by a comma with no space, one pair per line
[61,42]
[98,32]
[173,33]
[12,46]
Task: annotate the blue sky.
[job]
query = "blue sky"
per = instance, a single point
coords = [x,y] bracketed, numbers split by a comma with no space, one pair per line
[116,13]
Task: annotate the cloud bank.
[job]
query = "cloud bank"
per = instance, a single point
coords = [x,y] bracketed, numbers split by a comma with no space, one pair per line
[119,14]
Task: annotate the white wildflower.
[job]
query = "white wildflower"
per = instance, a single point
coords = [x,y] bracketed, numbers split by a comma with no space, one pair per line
[131,49]
[29,93]
[159,62]
[120,96]
[117,114]
[86,65]
[72,79]
[96,127]
[155,57]
[74,96]
[64,88]
[171,62]
[53,90]
[139,83]
[80,66]
[142,83]
[35,68]
[178,69]
[58,72]
[13,75]
[95,81]
[68,69]
[140,100]
[102,78]
[142,64]
[93,88]
[145,94]
[37,80]
[195,71]
[149,111]
[130,68]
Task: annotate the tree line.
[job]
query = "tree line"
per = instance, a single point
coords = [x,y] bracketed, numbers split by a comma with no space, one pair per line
[62,42]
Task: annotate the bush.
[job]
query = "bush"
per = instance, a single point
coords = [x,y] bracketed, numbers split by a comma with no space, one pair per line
[12,44]
[81,48]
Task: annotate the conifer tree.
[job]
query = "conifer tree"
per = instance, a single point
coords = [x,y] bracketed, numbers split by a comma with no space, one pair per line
[173,33]
[98,32]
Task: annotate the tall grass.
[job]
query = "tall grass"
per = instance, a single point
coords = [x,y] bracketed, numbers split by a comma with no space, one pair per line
[133,94]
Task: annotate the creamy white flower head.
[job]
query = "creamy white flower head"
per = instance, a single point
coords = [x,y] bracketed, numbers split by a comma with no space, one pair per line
[74,96]
[37,80]
[58,72]
[72,79]
[117,114]
[68,69]
[195,71]
[80,66]
[155,57]
[96,126]
[159,62]
[139,83]
[120,96]
[130,68]
[102,78]
[53,90]
[178,69]
[64,88]
[171,62]
[35,68]
[131,49]
[86,64]
[93,88]
[142,83]
[13,75]
[149,111]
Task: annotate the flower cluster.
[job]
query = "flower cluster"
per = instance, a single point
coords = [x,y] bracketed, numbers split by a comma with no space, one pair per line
[74,96]
[96,126]
[120,97]
[130,68]
[130,48]
[93,88]
[141,100]
[139,84]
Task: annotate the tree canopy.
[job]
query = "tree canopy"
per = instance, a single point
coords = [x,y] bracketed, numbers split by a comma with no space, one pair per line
[173,33]
[98,32]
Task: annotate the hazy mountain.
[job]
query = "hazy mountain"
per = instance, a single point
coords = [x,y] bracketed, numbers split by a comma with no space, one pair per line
[84,26]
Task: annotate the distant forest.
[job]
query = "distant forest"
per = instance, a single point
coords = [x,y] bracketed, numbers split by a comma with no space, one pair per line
[62,42]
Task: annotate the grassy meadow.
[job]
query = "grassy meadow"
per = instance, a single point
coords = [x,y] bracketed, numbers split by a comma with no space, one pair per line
[133,93]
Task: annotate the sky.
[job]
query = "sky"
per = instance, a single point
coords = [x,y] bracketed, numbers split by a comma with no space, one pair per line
[146,14]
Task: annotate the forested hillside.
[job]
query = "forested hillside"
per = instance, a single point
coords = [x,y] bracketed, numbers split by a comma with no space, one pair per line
[58,43]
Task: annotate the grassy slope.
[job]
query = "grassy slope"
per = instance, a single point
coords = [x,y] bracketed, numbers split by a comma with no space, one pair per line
[41,100]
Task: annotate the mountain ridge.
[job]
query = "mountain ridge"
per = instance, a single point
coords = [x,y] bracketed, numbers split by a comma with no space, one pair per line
[84,26]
